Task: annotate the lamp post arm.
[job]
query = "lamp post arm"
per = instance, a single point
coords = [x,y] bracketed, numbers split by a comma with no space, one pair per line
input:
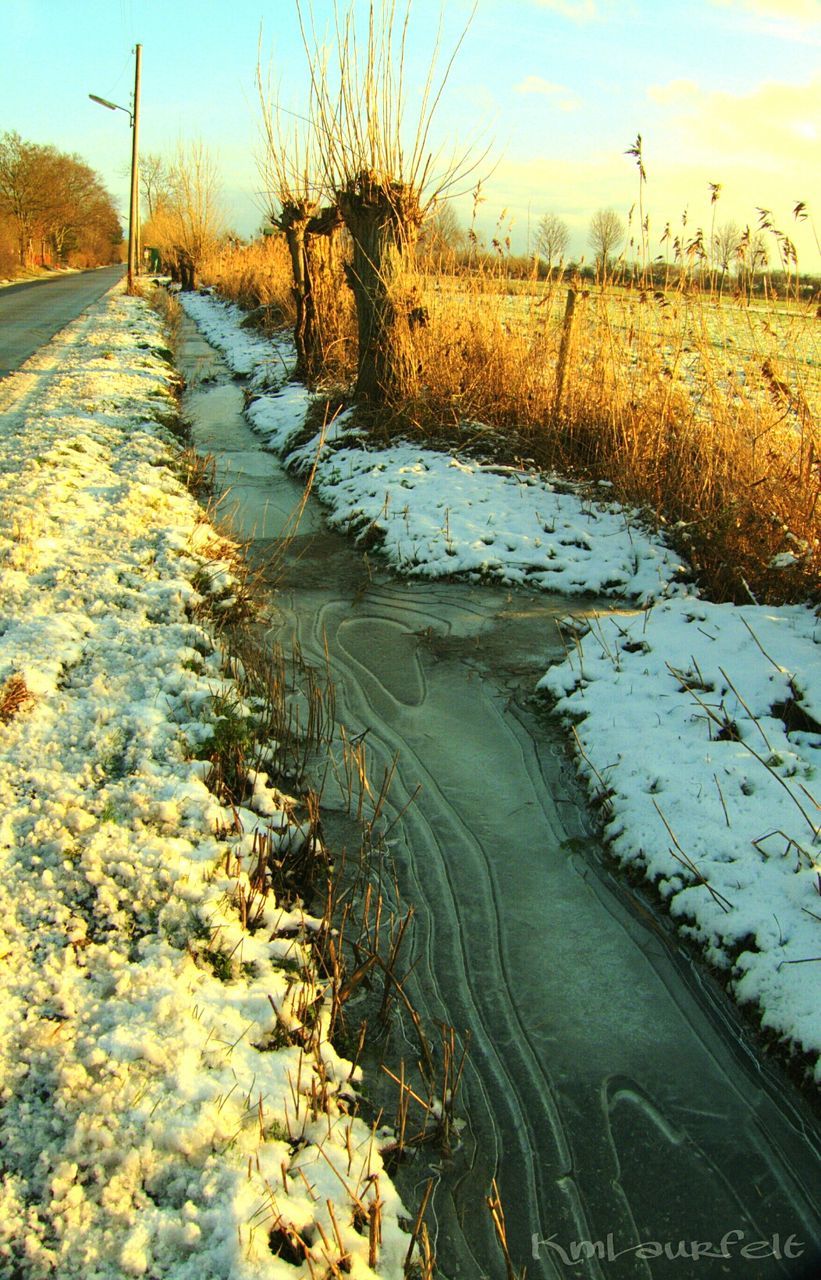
[112,106]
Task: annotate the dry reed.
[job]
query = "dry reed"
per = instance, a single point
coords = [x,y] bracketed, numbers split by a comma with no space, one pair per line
[700,412]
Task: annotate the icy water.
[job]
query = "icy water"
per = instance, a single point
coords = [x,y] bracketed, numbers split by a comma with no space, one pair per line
[611,1089]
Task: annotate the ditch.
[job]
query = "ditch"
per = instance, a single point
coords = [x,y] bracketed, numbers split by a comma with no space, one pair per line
[610,1088]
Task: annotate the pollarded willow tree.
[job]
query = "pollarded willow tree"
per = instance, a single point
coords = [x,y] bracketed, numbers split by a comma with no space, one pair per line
[378,167]
[290,170]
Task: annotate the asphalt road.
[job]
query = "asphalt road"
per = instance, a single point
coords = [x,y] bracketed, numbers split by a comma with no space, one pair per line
[31,313]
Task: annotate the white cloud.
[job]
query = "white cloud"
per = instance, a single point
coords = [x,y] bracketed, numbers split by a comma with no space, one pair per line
[674,91]
[796,20]
[803,11]
[563,97]
[576,10]
[769,127]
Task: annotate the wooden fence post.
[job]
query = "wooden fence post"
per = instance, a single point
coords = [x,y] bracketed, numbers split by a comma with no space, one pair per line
[564,348]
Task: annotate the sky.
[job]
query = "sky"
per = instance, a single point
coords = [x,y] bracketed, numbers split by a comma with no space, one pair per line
[721,91]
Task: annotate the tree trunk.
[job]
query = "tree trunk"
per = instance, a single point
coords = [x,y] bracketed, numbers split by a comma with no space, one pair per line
[303,225]
[188,272]
[384,221]
[305,336]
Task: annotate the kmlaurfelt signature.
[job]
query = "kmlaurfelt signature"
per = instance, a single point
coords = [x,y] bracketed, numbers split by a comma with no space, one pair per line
[731,1245]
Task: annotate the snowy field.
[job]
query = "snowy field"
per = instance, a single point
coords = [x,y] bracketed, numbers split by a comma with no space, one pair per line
[160,1114]
[699,345]
[698,725]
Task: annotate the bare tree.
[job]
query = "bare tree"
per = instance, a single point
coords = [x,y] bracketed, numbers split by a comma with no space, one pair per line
[442,235]
[187,221]
[725,240]
[291,169]
[552,236]
[382,175]
[155,182]
[606,237]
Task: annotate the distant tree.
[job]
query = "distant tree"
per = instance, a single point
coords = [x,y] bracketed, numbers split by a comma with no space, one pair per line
[55,203]
[81,219]
[155,182]
[23,192]
[187,222]
[442,235]
[8,246]
[724,247]
[552,237]
[606,237]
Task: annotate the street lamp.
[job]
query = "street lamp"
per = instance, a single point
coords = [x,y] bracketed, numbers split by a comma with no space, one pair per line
[134,121]
[112,106]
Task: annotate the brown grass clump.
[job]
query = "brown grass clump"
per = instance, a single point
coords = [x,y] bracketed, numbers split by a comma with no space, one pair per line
[14,695]
[254,275]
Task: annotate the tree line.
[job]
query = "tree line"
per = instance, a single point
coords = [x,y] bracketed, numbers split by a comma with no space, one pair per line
[54,209]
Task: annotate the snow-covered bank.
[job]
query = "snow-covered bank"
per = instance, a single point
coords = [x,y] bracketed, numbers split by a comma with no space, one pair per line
[698,722]
[157,1115]
[699,728]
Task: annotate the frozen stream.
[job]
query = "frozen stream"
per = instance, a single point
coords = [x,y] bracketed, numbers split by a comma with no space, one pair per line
[610,1087]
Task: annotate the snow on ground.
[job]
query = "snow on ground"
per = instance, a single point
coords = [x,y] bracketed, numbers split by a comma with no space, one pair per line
[221,322]
[700,729]
[698,724]
[159,1115]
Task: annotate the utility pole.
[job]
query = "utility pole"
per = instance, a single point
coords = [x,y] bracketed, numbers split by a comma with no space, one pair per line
[134,207]
[134,211]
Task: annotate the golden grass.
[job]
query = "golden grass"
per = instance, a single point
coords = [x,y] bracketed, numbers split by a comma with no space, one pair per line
[702,412]
[704,415]
[254,275]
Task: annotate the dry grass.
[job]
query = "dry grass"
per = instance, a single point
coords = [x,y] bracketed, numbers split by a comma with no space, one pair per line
[14,695]
[254,275]
[702,413]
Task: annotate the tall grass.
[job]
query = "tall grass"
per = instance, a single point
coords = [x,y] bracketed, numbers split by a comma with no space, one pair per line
[258,277]
[254,275]
[703,412]
[705,415]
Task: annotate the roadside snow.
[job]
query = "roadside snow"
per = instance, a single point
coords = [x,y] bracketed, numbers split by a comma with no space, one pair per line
[698,724]
[157,1116]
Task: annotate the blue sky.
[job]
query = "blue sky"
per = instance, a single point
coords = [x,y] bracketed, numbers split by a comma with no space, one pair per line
[722,91]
